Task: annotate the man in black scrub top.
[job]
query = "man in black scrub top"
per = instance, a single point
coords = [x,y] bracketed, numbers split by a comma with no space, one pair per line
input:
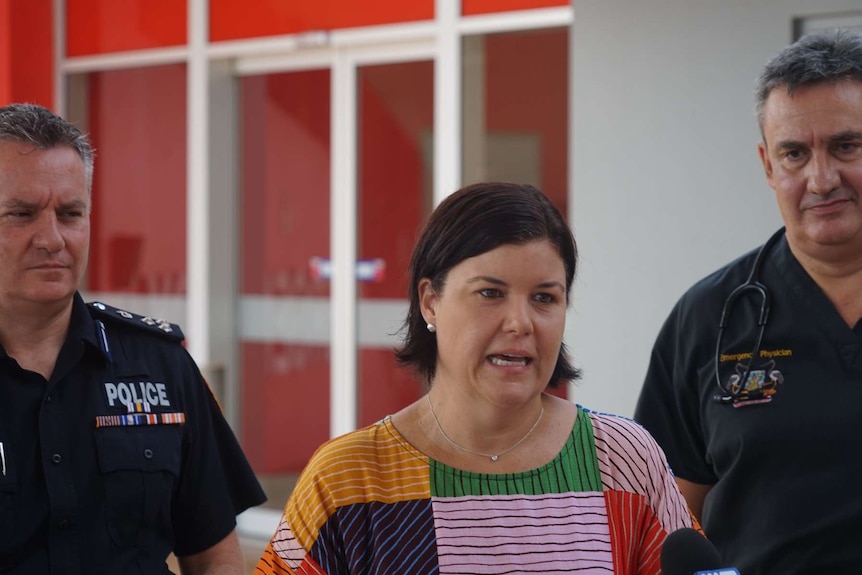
[113,451]
[764,435]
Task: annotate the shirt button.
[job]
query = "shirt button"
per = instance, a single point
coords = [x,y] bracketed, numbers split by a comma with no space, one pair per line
[47,399]
[56,458]
[64,524]
[148,453]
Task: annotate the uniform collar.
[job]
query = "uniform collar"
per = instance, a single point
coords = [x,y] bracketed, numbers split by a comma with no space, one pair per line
[83,327]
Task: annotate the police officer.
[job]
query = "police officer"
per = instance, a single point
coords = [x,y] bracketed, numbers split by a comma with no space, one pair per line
[113,451]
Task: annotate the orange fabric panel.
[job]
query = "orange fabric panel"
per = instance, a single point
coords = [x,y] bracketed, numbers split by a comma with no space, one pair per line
[271,564]
[26,52]
[472,7]
[232,20]
[105,26]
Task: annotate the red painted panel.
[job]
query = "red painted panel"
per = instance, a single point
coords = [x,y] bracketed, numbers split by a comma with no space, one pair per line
[471,7]
[285,404]
[285,182]
[26,52]
[137,121]
[5,52]
[232,19]
[105,26]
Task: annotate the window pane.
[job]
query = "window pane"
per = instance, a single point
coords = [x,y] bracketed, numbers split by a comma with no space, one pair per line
[516,111]
[395,111]
[284,306]
[137,122]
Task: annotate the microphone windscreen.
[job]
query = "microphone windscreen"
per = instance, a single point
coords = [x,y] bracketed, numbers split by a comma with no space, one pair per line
[685,551]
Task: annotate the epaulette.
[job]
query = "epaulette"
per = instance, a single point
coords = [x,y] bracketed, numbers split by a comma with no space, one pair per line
[161,327]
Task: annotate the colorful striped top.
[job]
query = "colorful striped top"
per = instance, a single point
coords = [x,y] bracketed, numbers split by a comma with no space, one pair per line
[369,503]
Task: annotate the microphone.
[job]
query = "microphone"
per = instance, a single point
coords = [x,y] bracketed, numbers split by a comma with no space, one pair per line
[687,552]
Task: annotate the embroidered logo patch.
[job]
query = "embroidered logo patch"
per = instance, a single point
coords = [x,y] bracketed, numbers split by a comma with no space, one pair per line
[760,386]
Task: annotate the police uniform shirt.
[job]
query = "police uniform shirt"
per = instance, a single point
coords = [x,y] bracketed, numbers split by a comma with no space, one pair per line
[122,457]
[784,459]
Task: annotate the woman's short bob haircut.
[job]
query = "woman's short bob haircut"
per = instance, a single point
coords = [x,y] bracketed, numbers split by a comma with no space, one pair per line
[474,220]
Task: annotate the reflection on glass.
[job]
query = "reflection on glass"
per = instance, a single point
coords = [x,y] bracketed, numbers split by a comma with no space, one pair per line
[516,110]
[137,121]
[284,307]
[395,132]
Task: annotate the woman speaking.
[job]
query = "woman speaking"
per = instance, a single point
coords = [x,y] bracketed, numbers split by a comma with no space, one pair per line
[487,473]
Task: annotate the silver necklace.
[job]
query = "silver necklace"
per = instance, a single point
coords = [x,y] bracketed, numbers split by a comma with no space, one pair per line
[491,456]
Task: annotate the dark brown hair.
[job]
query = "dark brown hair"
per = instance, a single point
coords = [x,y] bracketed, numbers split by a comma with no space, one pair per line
[474,220]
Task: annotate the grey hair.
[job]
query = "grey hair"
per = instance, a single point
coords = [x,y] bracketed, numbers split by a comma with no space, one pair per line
[811,60]
[36,125]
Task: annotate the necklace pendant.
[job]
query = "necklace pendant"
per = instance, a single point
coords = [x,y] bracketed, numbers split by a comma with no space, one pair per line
[495,457]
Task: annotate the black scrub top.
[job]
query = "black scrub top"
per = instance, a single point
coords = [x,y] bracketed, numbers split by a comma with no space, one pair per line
[784,460]
[121,458]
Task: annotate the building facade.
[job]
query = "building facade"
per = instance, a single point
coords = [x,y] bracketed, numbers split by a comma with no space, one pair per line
[263,170]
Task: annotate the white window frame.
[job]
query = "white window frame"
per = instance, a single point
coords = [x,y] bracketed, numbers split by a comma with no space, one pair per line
[342,52]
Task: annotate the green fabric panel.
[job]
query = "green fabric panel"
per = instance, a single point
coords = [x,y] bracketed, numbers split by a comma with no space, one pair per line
[575,468]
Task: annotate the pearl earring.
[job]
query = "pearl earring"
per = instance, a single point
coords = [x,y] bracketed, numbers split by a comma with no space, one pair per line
[431,327]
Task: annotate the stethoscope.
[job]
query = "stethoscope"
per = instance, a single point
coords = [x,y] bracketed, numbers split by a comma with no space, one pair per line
[752,284]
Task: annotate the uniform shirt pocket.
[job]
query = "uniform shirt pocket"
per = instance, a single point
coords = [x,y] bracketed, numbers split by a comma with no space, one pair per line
[140,466]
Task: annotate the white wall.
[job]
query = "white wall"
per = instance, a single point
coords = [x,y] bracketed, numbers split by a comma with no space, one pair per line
[666,181]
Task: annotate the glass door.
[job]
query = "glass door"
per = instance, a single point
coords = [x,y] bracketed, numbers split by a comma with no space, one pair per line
[394,186]
[284,296]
